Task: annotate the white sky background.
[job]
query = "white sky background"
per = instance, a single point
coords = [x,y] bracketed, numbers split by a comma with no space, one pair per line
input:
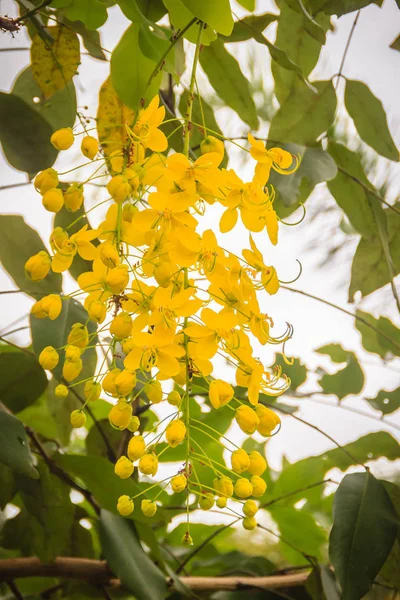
[371,60]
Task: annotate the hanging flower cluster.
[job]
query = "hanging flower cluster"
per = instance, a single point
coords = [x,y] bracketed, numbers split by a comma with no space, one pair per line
[171,300]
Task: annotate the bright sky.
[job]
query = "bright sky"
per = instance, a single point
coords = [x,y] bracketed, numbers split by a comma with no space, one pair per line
[370,59]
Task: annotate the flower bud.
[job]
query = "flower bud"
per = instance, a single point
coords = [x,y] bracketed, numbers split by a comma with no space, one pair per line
[163,272]
[187,539]
[109,255]
[121,325]
[123,467]
[240,461]
[223,486]
[78,336]
[174,398]
[136,447]
[108,382]
[175,433]
[71,369]
[259,486]
[153,391]
[258,464]
[72,353]
[61,391]
[212,144]
[53,200]
[250,508]
[148,507]
[268,420]
[38,266]
[243,488]
[148,464]
[92,391]
[48,358]
[125,506]
[120,415]
[89,147]
[125,382]
[62,139]
[249,523]
[247,419]
[73,197]
[206,500]
[178,483]
[221,502]
[49,306]
[134,424]
[117,161]
[117,279]
[119,188]
[220,393]
[77,419]
[46,180]
[97,311]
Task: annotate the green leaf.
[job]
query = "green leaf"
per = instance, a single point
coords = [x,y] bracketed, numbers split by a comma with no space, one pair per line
[321,584]
[22,379]
[315,167]
[301,47]
[224,74]
[244,28]
[395,45]
[94,442]
[386,402]
[14,447]
[340,7]
[300,530]
[8,487]
[304,115]
[153,45]
[153,10]
[38,417]
[47,500]
[249,5]
[127,559]
[91,39]
[351,196]
[349,380]
[297,372]
[130,77]
[390,573]
[19,242]
[64,219]
[372,341]
[364,529]
[369,270]
[180,16]
[59,111]
[25,135]
[92,13]
[370,119]
[217,15]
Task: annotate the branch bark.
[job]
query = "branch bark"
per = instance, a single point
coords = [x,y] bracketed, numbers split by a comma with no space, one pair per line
[99,572]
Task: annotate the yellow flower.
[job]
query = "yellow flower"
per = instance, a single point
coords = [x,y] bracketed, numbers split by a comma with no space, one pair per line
[269,277]
[178,483]
[175,433]
[134,424]
[136,447]
[123,467]
[268,420]
[125,382]
[275,158]
[53,200]
[247,419]
[92,391]
[65,247]
[78,336]
[223,486]
[206,500]
[212,144]
[61,391]
[73,197]
[120,415]
[77,419]
[109,255]
[191,176]
[168,212]
[174,398]
[220,393]
[38,266]
[249,523]
[62,139]
[258,464]
[250,375]
[240,461]
[121,325]
[259,486]
[153,391]
[148,507]
[146,130]
[250,508]
[217,327]
[49,306]
[125,506]
[155,349]
[148,464]
[48,358]
[89,146]
[243,488]
[46,180]
[117,279]
[169,305]
[108,382]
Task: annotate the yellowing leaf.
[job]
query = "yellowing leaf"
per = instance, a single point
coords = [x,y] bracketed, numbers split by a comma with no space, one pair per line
[54,65]
[112,115]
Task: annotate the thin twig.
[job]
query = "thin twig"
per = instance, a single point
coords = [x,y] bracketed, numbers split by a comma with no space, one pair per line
[347,46]
[295,492]
[15,590]
[31,12]
[368,189]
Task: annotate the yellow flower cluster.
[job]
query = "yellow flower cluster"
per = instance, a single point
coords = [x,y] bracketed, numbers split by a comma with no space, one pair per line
[171,299]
